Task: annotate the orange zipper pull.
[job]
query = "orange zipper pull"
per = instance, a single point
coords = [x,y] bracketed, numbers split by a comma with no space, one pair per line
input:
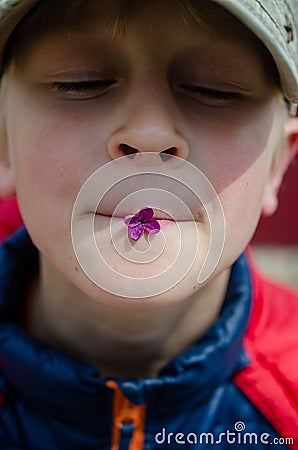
[125,412]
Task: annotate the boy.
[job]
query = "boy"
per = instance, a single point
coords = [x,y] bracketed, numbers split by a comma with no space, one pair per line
[187,108]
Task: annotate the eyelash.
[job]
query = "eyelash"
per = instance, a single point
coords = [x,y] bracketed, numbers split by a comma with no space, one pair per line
[77,87]
[211,94]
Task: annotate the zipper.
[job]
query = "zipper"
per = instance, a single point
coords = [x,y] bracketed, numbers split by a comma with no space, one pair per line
[128,421]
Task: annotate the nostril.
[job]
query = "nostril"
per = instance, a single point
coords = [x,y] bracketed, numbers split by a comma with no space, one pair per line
[166,154]
[127,150]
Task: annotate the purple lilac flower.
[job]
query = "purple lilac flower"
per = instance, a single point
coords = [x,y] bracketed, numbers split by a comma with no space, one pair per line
[141,222]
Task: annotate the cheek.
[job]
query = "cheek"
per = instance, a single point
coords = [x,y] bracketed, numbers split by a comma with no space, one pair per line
[52,153]
[242,201]
[239,159]
[243,198]
[231,144]
[47,178]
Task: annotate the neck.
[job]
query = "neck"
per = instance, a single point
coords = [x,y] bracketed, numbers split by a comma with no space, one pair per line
[111,339]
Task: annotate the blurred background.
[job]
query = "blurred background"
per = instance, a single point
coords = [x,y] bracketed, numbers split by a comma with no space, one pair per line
[275,244]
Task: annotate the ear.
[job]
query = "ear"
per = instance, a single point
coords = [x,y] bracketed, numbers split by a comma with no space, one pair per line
[7,184]
[280,165]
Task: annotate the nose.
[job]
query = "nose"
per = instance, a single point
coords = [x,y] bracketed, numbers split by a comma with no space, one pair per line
[149,127]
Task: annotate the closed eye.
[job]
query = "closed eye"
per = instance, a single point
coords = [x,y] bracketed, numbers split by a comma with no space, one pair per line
[209,95]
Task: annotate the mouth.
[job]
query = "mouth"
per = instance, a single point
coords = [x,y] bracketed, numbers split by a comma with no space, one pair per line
[159,216]
[163,218]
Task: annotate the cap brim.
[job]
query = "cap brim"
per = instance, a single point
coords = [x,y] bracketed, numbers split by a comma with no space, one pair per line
[273,37]
[13,15]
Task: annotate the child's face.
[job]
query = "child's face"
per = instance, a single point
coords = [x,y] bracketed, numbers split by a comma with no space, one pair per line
[77,100]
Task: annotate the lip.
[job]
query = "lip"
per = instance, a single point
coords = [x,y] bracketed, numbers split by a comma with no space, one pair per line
[170,206]
[162,218]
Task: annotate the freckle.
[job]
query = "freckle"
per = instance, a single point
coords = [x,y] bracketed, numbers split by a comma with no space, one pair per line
[76,269]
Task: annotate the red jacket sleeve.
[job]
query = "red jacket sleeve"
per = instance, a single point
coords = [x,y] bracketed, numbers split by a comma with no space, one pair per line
[10,217]
[271,342]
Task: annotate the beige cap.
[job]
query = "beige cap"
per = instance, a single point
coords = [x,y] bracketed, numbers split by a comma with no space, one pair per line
[274,22]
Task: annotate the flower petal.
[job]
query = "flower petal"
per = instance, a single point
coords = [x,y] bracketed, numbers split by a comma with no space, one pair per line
[146,213]
[132,221]
[152,226]
[136,232]
[128,218]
